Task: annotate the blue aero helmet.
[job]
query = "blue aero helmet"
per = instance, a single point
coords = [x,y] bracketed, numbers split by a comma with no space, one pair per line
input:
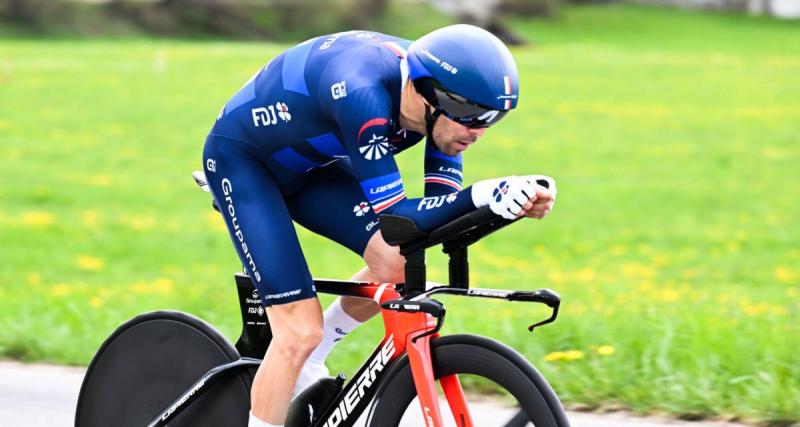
[464,73]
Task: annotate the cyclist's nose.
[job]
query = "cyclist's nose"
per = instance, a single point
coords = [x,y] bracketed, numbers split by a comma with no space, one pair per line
[477,132]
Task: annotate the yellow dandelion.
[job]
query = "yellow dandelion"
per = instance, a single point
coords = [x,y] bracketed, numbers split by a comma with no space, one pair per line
[100,180]
[61,289]
[38,219]
[89,263]
[659,260]
[669,295]
[158,286]
[585,275]
[13,154]
[635,270]
[753,310]
[555,356]
[604,350]
[162,285]
[138,223]
[96,302]
[779,311]
[34,279]
[564,356]
[792,292]
[647,286]
[783,275]
[215,221]
[556,276]
[733,246]
[90,218]
[618,250]
[139,288]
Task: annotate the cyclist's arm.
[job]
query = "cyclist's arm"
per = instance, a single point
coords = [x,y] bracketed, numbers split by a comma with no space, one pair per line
[443,173]
[364,119]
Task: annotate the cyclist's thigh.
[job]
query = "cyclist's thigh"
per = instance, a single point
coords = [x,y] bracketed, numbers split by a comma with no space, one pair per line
[332,204]
[258,221]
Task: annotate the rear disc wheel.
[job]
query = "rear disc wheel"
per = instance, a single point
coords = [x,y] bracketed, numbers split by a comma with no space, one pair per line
[150,361]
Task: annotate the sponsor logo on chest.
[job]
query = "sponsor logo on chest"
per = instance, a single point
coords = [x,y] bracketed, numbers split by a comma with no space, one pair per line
[268,116]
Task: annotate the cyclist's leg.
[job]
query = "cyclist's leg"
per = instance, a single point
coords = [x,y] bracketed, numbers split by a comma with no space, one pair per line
[263,235]
[348,220]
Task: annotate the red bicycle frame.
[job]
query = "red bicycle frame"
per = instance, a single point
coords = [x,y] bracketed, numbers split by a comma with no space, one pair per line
[406,332]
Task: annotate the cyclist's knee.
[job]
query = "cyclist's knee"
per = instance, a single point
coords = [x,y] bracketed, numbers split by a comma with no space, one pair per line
[384,262]
[296,328]
[299,342]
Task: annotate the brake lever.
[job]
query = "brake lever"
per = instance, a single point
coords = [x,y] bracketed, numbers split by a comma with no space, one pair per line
[544,322]
[550,299]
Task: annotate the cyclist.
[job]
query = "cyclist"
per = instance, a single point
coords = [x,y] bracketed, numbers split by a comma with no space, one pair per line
[311,138]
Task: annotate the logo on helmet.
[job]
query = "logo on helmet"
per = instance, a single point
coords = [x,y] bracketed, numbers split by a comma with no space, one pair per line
[443,64]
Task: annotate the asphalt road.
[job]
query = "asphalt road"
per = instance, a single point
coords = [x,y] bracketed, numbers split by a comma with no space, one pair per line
[45,396]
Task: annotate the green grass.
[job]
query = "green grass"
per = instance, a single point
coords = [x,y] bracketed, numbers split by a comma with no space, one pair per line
[673,136]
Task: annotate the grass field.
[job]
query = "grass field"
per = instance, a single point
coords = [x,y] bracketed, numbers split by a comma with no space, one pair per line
[674,243]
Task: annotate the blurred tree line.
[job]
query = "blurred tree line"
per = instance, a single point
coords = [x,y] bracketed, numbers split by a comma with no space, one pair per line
[272,19]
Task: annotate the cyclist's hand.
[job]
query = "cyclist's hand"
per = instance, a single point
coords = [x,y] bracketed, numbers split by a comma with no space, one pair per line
[539,206]
[506,196]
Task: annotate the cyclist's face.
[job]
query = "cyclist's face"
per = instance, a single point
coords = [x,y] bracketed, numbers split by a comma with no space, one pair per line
[452,138]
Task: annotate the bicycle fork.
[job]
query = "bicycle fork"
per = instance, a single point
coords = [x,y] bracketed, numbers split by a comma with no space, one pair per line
[418,321]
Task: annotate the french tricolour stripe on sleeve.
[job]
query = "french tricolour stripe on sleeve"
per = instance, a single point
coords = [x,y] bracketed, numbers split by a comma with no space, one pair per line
[383,191]
[386,204]
[436,178]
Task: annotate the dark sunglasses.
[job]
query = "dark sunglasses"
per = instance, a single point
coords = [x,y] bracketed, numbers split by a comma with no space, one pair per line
[456,107]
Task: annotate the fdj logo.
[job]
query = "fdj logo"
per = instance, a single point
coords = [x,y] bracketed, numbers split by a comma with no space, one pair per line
[339,90]
[501,190]
[434,202]
[265,116]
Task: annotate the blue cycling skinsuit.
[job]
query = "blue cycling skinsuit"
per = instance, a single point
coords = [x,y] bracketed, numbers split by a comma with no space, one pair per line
[311,138]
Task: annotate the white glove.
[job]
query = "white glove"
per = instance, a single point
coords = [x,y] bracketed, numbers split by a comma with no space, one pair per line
[504,196]
[542,179]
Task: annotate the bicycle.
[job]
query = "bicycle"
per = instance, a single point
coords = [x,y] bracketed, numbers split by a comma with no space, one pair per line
[168,368]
